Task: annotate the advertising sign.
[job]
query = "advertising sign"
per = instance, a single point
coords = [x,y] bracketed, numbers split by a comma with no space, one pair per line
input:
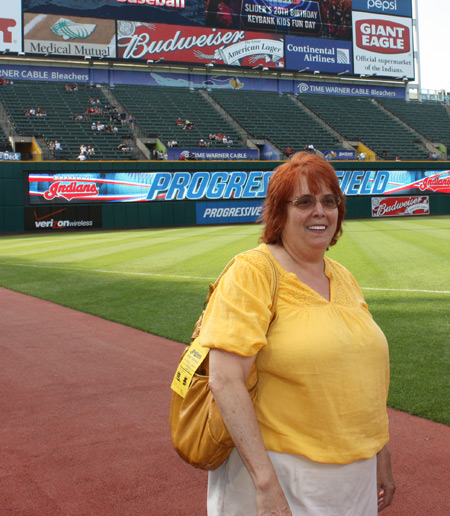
[102,187]
[400,206]
[10,156]
[41,218]
[327,19]
[237,212]
[213,154]
[198,45]
[146,186]
[335,155]
[182,12]
[383,45]
[69,36]
[42,73]
[392,7]
[326,88]
[371,182]
[11,26]
[324,55]
[281,16]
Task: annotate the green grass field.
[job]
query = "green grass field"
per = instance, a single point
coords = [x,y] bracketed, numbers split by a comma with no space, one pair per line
[156,281]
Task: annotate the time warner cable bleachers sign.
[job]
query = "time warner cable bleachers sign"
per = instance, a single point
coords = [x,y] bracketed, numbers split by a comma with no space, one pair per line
[222,197]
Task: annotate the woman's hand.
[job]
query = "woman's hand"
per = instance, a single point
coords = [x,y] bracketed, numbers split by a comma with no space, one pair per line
[385,481]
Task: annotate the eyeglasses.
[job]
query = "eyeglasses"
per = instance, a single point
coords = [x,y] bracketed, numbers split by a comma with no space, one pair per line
[307,202]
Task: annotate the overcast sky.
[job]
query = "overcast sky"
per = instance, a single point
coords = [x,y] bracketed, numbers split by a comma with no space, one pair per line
[434,39]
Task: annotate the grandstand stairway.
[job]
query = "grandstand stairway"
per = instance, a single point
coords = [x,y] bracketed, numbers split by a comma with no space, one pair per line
[275,118]
[361,119]
[158,108]
[431,120]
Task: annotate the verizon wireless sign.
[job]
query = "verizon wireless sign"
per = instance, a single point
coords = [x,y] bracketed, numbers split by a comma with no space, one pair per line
[382,45]
[400,206]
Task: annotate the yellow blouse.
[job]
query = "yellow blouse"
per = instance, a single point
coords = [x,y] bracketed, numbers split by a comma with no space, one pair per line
[323,366]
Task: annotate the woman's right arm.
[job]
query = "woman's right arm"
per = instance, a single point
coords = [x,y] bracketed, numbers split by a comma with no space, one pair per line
[228,373]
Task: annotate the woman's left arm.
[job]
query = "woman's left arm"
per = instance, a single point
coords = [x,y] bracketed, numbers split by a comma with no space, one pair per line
[385,481]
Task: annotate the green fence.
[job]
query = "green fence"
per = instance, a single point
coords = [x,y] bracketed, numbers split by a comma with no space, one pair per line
[14,201]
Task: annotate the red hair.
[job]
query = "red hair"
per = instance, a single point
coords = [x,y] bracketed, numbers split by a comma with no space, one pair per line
[318,174]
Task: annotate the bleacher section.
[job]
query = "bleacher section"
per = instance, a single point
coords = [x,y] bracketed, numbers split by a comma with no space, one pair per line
[157,109]
[275,118]
[430,119]
[282,120]
[361,119]
[61,106]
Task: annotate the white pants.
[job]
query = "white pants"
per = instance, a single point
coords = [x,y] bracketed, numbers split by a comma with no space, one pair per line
[311,488]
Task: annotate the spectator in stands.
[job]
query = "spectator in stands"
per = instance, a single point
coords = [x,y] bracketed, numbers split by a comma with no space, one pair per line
[397,158]
[311,148]
[179,121]
[58,146]
[51,146]
[188,124]
[201,143]
[384,154]
[83,149]
[131,121]
[289,152]
[123,117]
[124,146]
[81,157]
[93,126]
[90,151]
[100,126]
[362,156]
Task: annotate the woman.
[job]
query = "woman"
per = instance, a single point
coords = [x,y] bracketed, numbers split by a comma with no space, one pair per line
[315,442]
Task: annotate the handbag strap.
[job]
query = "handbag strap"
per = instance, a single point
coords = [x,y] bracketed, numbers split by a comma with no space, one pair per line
[213,286]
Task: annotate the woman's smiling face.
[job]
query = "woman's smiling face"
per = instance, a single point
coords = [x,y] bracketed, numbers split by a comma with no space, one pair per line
[309,230]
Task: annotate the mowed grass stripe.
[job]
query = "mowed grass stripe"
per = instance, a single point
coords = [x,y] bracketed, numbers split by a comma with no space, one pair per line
[186,276]
[156,281]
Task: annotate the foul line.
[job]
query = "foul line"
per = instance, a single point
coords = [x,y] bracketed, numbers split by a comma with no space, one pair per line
[192,277]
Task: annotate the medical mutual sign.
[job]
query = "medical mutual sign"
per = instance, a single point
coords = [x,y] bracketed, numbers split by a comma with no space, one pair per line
[383,45]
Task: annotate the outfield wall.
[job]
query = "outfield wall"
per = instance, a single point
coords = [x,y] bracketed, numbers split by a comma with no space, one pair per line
[45,196]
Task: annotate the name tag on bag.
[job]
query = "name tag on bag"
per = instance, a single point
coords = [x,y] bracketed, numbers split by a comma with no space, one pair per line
[187,367]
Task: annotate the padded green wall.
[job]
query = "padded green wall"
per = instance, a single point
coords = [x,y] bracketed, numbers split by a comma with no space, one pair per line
[13,190]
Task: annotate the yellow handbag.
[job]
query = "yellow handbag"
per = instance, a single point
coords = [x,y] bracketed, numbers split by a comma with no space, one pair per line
[198,432]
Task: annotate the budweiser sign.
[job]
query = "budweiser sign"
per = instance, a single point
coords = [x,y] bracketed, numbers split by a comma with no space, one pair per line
[400,206]
[71,190]
[198,45]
